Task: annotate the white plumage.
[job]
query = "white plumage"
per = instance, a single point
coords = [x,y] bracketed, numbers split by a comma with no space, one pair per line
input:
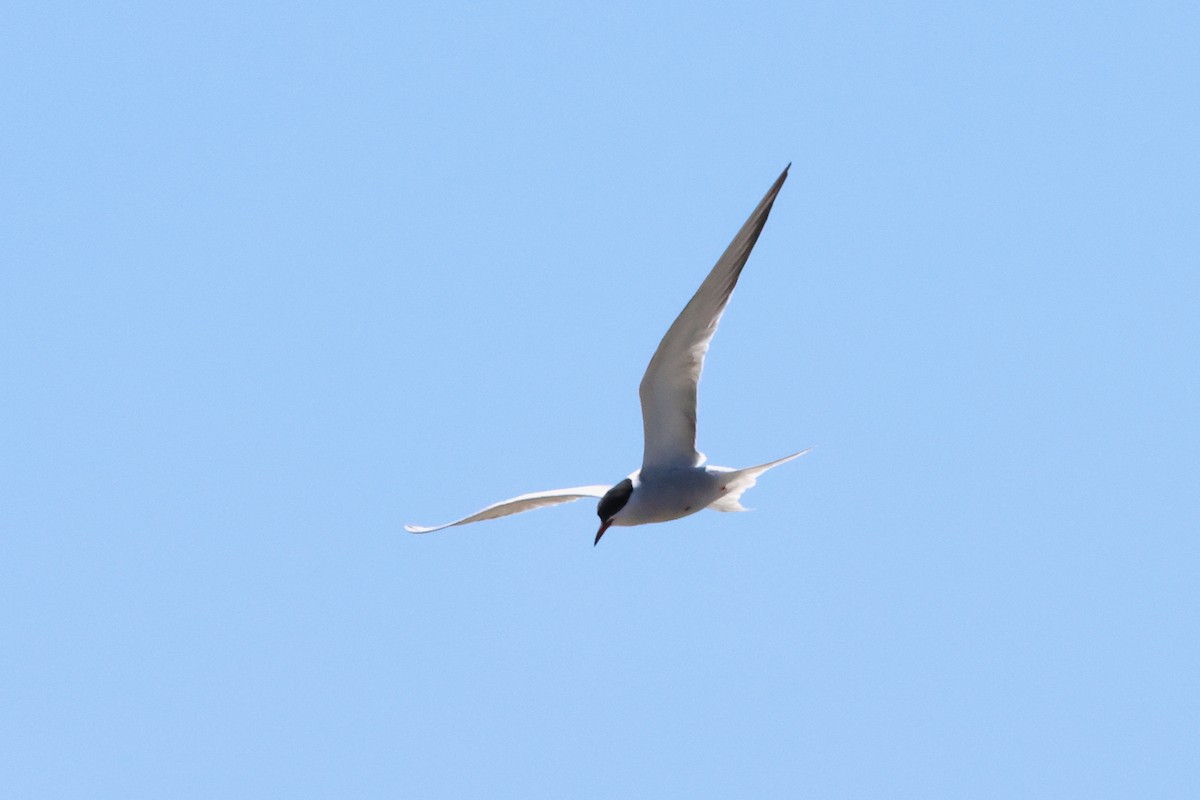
[673,480]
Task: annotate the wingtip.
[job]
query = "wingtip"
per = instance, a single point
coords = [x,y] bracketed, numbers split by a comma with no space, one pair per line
[782,177]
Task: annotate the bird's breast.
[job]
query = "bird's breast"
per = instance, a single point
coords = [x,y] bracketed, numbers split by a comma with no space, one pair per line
[668,495]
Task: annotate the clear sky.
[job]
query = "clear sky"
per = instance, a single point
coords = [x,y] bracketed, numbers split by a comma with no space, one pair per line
[275,281]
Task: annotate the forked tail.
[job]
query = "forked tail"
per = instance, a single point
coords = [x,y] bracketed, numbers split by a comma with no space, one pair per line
[739,480]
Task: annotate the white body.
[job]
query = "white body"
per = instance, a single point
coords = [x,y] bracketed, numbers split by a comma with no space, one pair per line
[665,494]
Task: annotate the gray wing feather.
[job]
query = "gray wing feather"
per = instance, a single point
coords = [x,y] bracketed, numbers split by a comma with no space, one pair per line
[668,389]
[515,505]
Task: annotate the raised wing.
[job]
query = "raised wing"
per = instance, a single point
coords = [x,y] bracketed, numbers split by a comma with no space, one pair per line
[668,389]
[526,502]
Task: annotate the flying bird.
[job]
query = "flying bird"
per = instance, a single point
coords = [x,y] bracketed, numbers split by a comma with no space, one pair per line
[673,481]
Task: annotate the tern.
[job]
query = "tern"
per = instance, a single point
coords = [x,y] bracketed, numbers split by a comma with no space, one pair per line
[674,480]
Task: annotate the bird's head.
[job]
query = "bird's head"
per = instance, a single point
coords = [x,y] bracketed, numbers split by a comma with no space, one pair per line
[611,504]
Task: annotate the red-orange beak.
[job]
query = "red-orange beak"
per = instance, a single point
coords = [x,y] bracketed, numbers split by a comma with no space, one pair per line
[603,527]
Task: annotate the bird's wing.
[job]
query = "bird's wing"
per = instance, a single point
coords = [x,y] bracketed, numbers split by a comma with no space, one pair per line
[668,389]
[526,502]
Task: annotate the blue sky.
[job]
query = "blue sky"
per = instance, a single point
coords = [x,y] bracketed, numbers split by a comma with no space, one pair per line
[275,281]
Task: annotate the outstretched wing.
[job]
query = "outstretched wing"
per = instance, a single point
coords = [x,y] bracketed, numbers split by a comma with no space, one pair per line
[526,502]
[668,390]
